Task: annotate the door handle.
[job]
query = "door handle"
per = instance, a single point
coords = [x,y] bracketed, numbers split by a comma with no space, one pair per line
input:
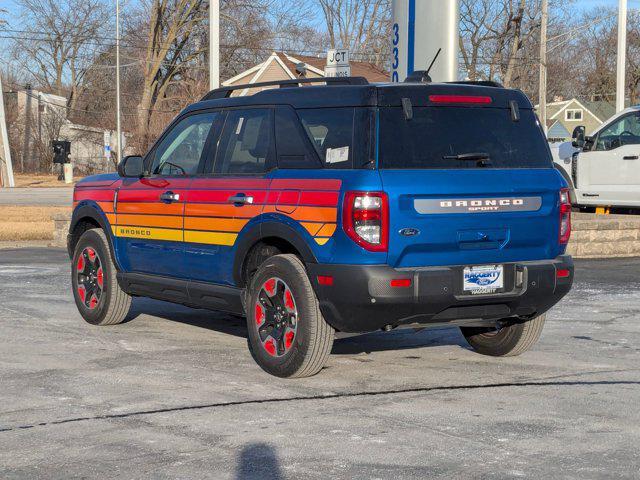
[170,197]
[631,157]
[240,199]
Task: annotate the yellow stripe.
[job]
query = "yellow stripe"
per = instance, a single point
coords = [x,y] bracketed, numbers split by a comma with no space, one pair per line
[149,233]
[321,241]
[210,238]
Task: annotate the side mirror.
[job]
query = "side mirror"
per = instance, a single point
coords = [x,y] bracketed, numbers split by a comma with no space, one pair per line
[131,167]
[579,137]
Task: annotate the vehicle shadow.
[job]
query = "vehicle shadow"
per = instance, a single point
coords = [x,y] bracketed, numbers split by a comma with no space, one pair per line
[258,461]
[400,339]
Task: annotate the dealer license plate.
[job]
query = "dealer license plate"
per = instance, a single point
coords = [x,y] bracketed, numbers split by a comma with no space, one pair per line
[483,280]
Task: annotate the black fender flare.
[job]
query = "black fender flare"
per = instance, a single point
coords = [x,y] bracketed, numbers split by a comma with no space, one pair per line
[92,212]
[269,229]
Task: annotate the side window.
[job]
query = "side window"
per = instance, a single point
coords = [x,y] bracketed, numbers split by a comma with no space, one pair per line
[331,132]
[624,131]
[246,143]
[180,151]
[293,148]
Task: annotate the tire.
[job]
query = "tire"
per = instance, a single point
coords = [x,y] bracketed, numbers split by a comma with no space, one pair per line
[98,296]
[508,341]
[288,337]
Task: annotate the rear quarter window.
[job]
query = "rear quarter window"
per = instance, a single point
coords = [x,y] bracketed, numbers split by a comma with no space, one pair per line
[438,132]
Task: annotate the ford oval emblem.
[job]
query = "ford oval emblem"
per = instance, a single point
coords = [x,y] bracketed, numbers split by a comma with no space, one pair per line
[409,232]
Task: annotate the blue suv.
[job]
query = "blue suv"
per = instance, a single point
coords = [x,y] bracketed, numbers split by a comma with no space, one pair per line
[342,207]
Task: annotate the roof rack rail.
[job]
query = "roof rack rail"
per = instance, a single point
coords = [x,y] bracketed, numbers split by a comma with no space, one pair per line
[225,92]
[481,83]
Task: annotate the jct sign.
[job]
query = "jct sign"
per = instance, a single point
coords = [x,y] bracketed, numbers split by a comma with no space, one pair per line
[337,64]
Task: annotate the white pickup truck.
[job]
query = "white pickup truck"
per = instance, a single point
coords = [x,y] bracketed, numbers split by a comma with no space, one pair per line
[605,169]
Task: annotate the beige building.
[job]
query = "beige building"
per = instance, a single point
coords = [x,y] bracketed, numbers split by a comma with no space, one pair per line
[565,115]
[284,66]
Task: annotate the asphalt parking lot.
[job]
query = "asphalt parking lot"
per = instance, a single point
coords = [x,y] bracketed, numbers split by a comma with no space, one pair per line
[174,393]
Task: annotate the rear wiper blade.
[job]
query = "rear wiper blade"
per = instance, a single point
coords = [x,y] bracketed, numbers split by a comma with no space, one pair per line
[468,156]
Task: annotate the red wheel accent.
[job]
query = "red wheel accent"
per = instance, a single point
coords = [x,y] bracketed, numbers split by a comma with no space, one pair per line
[288,339]
[270,286]
[82,293]
[100,277]
[93,303]
[270,346]
[80,265]
[92,254]
[288,300]
[259,314]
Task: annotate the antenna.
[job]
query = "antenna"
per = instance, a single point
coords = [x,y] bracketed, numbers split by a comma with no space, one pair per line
[422,76]
[434,61]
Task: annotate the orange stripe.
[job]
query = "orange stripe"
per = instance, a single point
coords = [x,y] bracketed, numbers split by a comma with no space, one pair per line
[151,208]
[312,228]
[327,230]
[215,224]
[163,221]
[228,211]
[313,214]
[112,218]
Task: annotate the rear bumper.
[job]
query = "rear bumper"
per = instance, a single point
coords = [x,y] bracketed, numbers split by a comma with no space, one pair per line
[361,298]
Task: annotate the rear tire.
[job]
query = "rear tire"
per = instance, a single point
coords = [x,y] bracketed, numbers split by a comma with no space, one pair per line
[98,296]
[288,337]
[506,342]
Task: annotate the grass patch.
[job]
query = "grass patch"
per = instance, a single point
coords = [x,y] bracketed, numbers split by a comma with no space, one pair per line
[27,223]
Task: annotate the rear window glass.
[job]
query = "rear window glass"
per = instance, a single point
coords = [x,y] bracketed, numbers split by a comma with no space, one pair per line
[331,132]
[436,134]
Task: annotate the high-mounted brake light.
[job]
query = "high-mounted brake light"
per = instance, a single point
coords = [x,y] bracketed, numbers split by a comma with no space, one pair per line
[565,217]
[365,219]
[460,99]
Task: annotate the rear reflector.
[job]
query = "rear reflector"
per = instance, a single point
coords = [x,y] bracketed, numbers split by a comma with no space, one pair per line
[563,273]
[325,280]
[460,99]
[400,282]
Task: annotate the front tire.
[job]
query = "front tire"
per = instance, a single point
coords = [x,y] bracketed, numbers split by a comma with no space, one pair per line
[99,298]
[508,341]
[288,337]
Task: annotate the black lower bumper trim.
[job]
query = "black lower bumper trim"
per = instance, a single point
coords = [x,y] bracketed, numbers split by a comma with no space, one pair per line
[362,299]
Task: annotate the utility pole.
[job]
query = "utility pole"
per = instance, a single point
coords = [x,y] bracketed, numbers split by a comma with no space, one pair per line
[622,54]
[118,124]
[26,153]
[214,44]
[542,97]
[6,167]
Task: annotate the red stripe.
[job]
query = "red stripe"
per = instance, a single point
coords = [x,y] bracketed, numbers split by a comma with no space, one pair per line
[97,195]
[102,183]
[305,184]
[146,195]
[319,199]
[222,196]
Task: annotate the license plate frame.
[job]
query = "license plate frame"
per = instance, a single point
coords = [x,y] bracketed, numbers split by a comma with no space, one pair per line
[483,279]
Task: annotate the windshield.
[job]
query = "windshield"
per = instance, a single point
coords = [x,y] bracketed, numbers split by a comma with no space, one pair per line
[459,137]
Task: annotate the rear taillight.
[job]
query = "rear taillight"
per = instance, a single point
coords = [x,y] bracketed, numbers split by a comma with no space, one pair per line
[365,219]
[565,216]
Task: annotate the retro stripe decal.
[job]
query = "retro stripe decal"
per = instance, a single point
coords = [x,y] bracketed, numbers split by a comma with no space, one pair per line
[209,218]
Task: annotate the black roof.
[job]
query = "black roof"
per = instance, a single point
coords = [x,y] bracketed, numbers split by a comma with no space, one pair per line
[360,94]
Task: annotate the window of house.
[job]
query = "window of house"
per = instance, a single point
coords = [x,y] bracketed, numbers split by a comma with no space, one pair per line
[573,114]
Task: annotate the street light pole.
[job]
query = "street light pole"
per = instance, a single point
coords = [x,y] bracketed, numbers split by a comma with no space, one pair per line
[542,97]
[622,53]
[214,44]
[118,124]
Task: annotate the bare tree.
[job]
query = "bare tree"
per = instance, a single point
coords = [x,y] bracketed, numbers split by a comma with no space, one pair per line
[59,43]
[362,26]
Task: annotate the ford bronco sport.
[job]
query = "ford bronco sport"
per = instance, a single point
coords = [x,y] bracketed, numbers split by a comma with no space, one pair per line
[343,207]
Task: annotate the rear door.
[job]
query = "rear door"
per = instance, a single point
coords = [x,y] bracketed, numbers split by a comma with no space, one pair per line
[231,192]
[150,210]
[467,185]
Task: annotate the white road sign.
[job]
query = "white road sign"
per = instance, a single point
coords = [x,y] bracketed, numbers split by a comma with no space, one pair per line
[337,63]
